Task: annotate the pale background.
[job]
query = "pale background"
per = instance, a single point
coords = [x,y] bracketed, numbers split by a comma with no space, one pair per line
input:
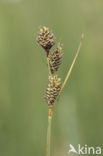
[78,117]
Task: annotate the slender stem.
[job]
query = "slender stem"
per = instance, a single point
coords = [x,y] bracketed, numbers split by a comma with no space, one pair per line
[49,117]
[49,66]
[71,67]
[47,54]
[49,133]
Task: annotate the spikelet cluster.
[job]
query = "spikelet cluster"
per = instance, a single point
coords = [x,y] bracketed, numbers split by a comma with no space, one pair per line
[46,38]
[52,90]
[55,59]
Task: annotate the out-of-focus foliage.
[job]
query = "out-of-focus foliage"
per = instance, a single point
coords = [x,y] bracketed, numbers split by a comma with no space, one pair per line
[78,117]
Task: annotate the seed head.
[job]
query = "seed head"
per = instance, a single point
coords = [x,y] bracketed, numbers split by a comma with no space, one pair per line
[46,38]
[55,59]
[52,90]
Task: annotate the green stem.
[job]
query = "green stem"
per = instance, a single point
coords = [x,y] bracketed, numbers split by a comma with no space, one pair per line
[49,66]
[49,133]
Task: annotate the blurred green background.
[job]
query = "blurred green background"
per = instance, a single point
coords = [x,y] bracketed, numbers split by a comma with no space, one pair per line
[78,117]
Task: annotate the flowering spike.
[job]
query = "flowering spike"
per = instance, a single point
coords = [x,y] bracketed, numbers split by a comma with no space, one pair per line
[55,59]
[46,39]
[52,90]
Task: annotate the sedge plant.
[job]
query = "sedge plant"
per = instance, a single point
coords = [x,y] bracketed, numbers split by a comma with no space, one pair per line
[46,39]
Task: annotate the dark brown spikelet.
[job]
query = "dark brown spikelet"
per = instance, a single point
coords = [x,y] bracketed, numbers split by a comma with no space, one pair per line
[55,59]
[46,38]
[52,90]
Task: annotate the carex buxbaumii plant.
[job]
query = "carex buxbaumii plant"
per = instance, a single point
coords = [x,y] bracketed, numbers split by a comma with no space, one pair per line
[54,59]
